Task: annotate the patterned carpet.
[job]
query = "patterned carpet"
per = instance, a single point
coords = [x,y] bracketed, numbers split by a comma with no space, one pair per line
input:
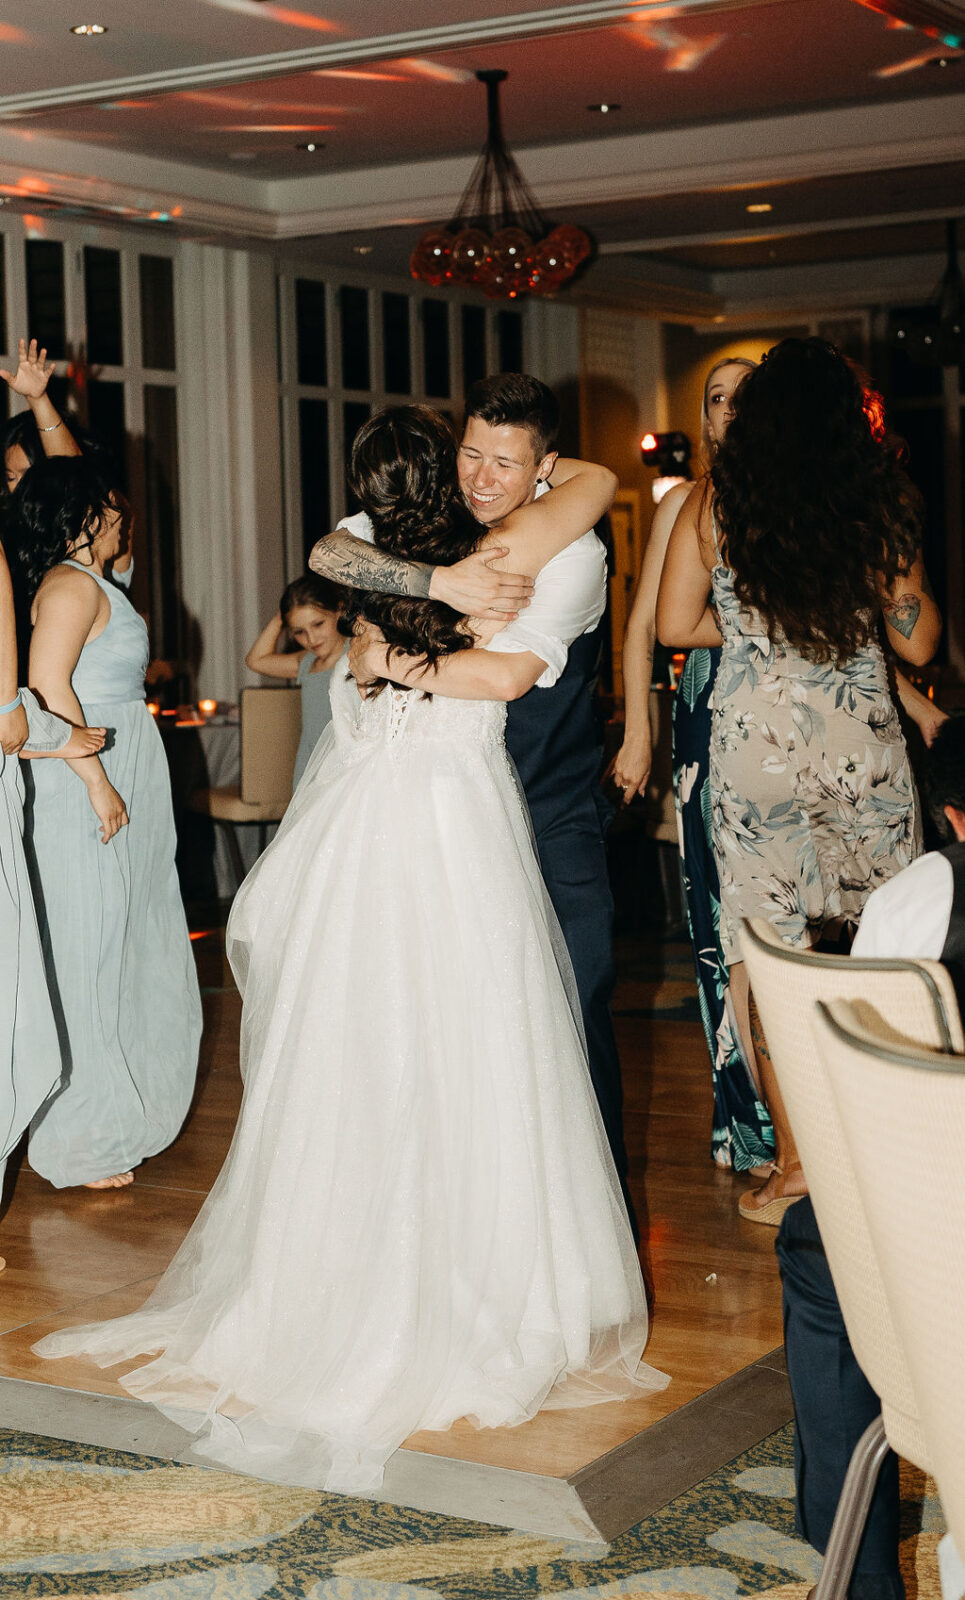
[77,1521]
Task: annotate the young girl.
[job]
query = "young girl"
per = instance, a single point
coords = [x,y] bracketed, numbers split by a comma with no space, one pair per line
[309,609]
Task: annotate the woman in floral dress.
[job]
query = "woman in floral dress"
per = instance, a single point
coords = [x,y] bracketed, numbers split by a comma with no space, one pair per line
[807,535]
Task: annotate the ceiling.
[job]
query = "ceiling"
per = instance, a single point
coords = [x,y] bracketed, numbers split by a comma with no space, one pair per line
[841,118]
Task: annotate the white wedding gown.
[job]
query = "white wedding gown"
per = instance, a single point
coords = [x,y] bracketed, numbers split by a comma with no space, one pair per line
[418,1219]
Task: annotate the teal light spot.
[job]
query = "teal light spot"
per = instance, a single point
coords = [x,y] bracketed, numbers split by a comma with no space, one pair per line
[775,1481]
[226,1583]
[713,1582]
[755,1541]
[368,1589]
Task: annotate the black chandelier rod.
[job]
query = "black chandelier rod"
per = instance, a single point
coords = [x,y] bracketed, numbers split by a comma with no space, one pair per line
[497,194]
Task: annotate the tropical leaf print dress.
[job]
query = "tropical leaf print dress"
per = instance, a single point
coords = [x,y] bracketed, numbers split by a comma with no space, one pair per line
[742,1136]
[813,801]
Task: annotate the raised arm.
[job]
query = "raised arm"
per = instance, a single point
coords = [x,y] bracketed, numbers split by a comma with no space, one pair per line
[30,380]
[684,620]
[533,534]
[67,607]
[912,619]
[630,767]
[265,657]
[472,586]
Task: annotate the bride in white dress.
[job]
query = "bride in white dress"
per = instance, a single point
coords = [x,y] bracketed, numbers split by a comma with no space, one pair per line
[418,1219]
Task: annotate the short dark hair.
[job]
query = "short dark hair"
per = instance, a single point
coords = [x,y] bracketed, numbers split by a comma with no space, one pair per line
[311,590]
[944,772]
[522,402]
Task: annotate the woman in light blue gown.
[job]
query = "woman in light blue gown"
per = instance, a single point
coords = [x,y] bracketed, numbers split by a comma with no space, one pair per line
[30,1064]
[101,851]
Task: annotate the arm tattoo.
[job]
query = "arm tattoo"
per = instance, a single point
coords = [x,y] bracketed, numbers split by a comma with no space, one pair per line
[356,564]
[902,614]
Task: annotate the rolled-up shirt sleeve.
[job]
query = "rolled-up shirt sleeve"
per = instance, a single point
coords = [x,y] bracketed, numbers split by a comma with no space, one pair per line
[568,600]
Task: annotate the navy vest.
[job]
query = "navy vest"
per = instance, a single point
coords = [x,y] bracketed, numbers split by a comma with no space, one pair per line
[953,950]
[555,737]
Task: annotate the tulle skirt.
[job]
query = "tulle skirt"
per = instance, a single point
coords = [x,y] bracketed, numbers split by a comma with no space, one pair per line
[418,1219]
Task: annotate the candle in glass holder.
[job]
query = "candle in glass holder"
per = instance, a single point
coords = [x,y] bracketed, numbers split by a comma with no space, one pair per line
[207,708]
[154,707]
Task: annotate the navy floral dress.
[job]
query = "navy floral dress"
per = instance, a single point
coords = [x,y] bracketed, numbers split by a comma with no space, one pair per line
[742,1136]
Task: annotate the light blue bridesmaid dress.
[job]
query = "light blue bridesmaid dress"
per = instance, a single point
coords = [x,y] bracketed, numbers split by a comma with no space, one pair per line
[29,1048]
[119,962]
[315,690]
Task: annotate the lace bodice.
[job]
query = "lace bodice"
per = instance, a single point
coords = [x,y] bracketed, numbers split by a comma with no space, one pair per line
[409,715]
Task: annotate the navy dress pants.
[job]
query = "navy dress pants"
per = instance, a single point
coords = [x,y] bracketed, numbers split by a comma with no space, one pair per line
[833,1404]
[572,856]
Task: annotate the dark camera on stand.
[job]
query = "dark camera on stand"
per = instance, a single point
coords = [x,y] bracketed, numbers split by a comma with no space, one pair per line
[670,454]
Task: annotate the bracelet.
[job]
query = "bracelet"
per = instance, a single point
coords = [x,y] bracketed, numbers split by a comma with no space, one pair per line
[15,702]
[53,427]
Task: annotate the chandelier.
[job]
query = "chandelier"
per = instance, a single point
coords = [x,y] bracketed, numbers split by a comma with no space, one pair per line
[499,241]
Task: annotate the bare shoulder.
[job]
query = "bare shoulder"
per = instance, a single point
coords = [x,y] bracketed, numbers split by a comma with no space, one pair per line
[66,591]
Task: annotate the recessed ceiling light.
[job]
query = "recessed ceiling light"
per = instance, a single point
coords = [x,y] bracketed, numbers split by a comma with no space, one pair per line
[87,30]
[362,249]
[311,147]
[944,61]
[605,106]
[761,205]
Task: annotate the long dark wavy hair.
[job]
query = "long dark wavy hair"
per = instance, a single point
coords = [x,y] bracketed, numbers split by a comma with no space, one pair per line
[813,508]
[22,431]
[403,470]
[56,509]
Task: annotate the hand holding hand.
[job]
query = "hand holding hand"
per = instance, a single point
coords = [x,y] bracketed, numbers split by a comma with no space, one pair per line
[629,771]
[109,808]
[13,731]
[474,587]
[33,371]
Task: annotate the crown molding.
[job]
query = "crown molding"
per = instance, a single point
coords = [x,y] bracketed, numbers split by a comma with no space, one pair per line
[35,169]
[486,30]
[637,166]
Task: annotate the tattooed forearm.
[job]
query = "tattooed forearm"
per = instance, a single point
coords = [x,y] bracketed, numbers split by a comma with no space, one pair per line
[902,614]
[357,564]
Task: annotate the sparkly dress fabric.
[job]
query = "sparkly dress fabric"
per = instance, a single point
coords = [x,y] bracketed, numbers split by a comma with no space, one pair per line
[814,805]
[419,1218]
[742,1135]
[119,963]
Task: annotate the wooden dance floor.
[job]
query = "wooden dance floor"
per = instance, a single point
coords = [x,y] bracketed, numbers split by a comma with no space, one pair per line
[76,1256]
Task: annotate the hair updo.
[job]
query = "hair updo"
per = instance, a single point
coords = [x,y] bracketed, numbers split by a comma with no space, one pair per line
[403,470]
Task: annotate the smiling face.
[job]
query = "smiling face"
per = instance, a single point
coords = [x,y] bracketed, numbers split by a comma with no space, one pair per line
[313,629]
[718,398]
[498,469]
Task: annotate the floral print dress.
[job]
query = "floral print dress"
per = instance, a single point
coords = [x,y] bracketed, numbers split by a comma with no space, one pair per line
[812,798]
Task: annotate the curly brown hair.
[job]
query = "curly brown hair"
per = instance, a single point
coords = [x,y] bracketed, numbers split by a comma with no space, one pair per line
[814,510]
[403,470]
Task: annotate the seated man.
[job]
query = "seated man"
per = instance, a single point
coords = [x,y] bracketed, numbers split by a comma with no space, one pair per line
[919,913]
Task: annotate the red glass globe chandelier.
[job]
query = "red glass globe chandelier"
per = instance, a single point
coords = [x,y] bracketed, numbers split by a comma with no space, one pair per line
[499,241]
